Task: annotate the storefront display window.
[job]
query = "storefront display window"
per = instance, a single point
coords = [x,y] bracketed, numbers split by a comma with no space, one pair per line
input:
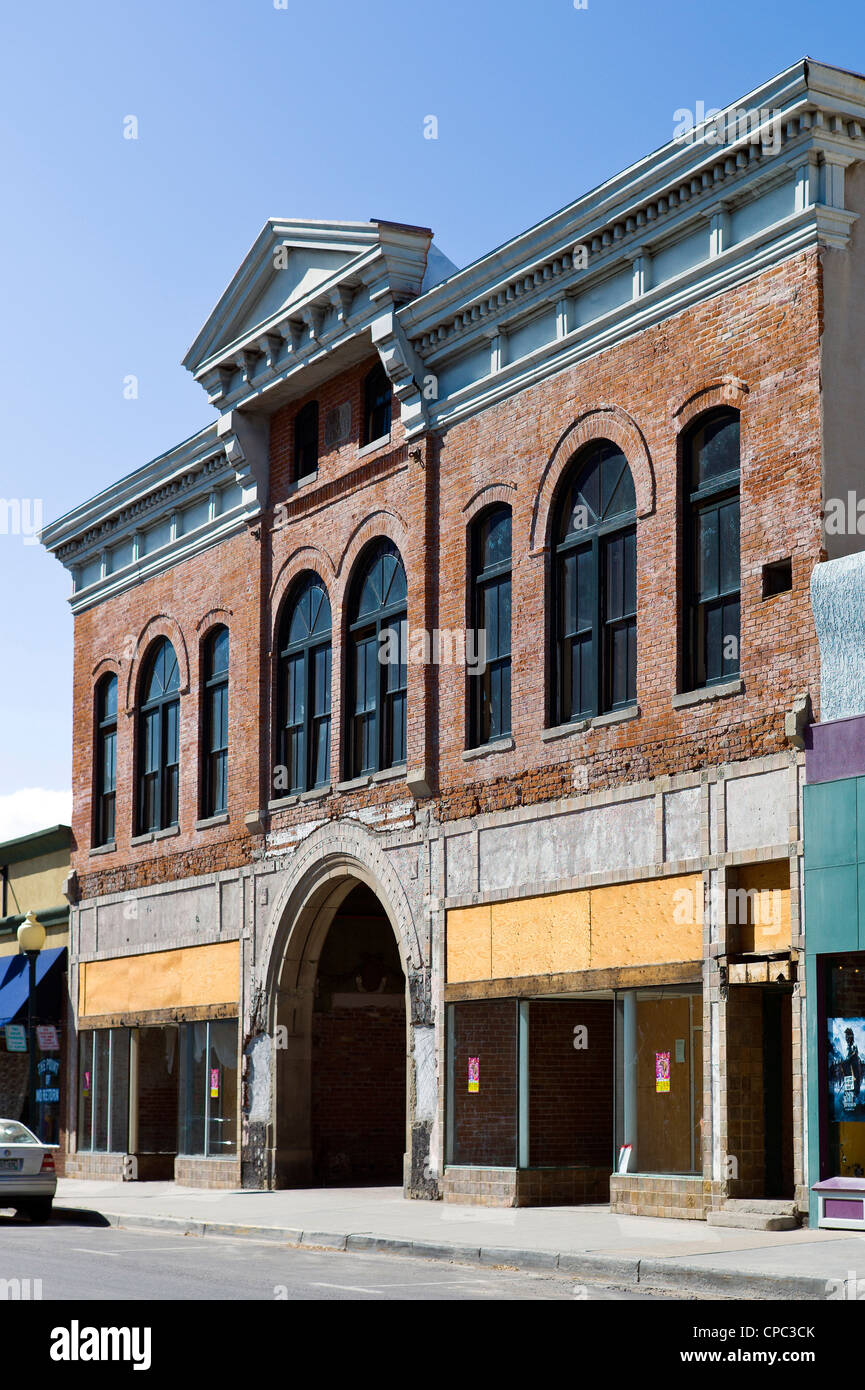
[659,1114]
[844,1069]
[482,1089]
[103,1090]
[565,1083]
[208,1089]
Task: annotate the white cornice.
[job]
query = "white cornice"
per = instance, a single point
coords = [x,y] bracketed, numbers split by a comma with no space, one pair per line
[230,452]
[803,128]
[137,493]
[166,558]
[711,277]
[539,267]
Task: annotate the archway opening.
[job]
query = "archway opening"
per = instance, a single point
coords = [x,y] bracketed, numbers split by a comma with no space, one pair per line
[358,1049]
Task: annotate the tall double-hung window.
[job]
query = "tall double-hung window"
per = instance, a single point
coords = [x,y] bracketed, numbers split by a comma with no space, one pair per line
[159,740]
[595,587]
[490,682]
[712,570]
[303,697]
[378,662]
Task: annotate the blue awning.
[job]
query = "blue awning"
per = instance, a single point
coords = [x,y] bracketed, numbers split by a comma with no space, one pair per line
[14,981]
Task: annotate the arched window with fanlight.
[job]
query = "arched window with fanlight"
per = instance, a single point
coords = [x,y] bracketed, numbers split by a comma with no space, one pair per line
[712,582]
[377,403]
[490,606]
[377,667]
[105,761]
[159,740]
[215,723]
[595,586]
[303,690]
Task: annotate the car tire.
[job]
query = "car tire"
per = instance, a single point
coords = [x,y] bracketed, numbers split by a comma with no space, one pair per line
[38,1209]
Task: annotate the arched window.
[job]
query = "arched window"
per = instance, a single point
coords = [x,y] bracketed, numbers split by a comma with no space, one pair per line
[711,479]
[378,673]
[595,587]
[303,691]
[105,762]
[159,741]
[377,398]
[215,723]
[306,441]
[490,682]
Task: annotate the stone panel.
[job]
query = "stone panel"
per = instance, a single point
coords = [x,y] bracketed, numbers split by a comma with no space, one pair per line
[599,840]
[682,824]
[758,810]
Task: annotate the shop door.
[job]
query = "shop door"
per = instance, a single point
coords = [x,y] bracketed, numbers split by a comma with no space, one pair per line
[778,1092]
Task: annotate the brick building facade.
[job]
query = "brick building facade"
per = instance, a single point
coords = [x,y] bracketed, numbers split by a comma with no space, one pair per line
[479,862]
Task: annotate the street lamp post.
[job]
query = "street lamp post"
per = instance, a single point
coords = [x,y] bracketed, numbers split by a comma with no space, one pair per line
[31,939]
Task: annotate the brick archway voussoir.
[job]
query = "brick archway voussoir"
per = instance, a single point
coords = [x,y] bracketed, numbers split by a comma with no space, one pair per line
[602,422]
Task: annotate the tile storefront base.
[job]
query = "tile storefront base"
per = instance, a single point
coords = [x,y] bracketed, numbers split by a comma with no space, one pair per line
[526,1187]
[186,1172]
[652,1194]
[207,1172]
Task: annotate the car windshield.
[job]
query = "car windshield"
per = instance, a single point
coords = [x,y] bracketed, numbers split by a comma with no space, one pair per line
[13,1133]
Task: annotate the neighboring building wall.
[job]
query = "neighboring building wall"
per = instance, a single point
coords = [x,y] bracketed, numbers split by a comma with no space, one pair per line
[36,869]
[841,353]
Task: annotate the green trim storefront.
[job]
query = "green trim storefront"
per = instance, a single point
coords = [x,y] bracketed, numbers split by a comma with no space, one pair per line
[834,866]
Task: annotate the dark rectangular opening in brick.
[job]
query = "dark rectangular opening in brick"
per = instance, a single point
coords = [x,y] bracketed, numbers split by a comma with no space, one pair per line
[484,1083]
[571,1083]
[777,577]
[359,1049]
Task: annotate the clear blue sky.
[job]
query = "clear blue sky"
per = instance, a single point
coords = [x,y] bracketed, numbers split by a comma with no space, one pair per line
[114,251]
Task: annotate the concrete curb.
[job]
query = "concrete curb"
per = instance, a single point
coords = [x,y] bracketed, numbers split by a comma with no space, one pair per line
[667,1276]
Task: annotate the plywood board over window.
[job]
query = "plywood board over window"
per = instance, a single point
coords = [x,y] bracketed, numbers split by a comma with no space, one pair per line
[193,976]
[655,922]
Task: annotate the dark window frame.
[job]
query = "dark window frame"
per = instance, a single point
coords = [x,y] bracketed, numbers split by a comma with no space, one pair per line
[306,441]
[375,725]
[304,654]
[105,763]
[214,756]
[489,691]
[703,651]
[599,633]
[377,405]
[164,711]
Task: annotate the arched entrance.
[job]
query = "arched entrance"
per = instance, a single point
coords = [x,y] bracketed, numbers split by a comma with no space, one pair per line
[358,1062]
[338,1013]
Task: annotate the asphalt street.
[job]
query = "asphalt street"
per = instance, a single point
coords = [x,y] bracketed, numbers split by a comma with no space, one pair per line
[101,1262]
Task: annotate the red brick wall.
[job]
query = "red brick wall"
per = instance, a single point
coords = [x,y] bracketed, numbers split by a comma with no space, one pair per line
[485,1121]
[333,461]
[222,585]
[570,1089]
[765,334]
[358,1095]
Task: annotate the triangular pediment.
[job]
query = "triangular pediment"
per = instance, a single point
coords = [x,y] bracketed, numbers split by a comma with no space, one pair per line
[288,262]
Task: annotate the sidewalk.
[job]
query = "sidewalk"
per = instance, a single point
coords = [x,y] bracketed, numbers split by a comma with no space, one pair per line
[586,1243]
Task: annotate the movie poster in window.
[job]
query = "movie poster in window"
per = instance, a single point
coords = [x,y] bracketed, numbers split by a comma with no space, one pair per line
[846,1068]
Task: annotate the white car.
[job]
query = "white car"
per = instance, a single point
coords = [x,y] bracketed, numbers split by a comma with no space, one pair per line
[28,1179]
